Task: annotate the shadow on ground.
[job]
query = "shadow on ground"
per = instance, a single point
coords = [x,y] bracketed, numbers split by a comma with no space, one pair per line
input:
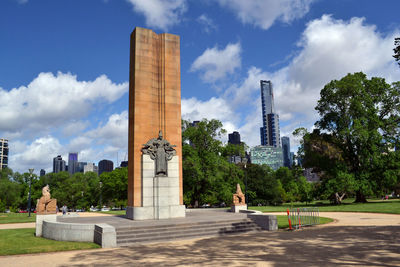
[322,246]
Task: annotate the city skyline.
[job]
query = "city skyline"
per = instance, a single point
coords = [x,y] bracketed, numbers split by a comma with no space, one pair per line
[65,66]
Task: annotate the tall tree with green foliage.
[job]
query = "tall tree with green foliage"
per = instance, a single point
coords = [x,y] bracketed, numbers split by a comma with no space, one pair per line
[361,116]
[208,178]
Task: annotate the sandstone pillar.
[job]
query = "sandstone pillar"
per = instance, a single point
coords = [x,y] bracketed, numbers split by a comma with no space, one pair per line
[154,103]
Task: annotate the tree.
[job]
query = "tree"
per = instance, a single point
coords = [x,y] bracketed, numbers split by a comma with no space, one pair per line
[208,178]
[115,186]
[397,50]
[360,118]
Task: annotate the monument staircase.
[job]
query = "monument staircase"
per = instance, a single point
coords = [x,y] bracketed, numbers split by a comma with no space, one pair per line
[129,235]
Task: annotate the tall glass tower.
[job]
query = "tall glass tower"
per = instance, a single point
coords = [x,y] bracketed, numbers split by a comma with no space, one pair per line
[72,163]
[3,153]
[270,132]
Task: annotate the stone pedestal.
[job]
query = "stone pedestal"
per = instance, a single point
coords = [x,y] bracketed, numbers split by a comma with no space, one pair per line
[238,208]
[160,194]
[39,221]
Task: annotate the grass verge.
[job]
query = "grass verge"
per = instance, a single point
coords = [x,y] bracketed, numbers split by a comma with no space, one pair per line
[23,241]
[16,217]
[373,206]
[113,212]
[284,223]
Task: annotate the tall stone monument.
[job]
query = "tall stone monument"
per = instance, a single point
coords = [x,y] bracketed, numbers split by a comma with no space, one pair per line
[155,139]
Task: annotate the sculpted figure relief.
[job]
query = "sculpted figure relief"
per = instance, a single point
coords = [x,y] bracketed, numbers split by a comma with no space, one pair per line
[161,151]
[46,204]
[238,198]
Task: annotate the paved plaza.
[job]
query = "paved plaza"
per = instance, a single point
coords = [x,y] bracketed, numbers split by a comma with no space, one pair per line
[354,239]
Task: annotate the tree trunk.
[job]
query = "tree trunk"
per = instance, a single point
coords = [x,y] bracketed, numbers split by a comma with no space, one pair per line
[360,198]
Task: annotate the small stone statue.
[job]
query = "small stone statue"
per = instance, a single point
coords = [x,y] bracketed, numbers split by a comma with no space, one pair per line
[46,205]
[238,198]
[161,151]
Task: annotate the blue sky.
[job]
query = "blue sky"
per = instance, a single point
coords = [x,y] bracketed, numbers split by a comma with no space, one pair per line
[64,65]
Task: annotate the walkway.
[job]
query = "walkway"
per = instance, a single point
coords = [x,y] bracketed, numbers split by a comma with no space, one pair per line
[354,239]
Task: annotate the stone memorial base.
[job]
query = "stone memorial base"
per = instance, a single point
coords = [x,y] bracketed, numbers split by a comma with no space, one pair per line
[238,208]
[160,194]
[39,221]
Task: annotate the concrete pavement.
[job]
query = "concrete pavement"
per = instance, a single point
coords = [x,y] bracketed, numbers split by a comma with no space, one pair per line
[354,239]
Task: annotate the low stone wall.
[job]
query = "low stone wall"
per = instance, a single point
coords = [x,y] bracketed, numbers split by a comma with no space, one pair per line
[102,234]
[266,222]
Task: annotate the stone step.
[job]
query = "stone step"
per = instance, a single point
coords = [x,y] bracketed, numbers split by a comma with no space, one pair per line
[173,227]
[205,228]
[178,225]
[163,233]
[129,242]
[221,230]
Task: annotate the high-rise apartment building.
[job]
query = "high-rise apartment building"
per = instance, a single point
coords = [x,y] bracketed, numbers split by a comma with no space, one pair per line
[234,138]
[269,155]
[72,163]
[105,165]
[59,164]
[270,132]
[3,153]
[90,167]
[286,151]
[42,172]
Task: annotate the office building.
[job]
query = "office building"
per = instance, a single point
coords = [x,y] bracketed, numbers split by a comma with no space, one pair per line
[3,153]
[105,165]
[72,163]
[291,158]
[42,172]
[234,138]
[124,164]
[90,167]
[269,155]
[270,132]
[286,151]
[81,166]
[59,164]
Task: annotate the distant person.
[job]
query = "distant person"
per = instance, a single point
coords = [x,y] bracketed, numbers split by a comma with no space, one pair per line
[64,209]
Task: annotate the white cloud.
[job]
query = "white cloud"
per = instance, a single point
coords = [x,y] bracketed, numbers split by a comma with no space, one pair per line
[263,13]
[51,101]
[215,64]
[207,23]
[74,127]
[161,14]
[36,155]
[114,132]
[328,49]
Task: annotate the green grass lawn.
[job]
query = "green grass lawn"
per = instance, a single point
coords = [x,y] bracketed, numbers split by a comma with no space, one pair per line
[23,241]
[374,206]
[16,217]
[284,223]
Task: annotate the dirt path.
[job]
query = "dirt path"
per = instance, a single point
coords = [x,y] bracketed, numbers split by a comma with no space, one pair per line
[354,239]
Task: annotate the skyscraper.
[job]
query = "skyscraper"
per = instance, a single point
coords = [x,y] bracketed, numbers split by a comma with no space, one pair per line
[58,164]
[286,151]
[234,138]
[3,153]
[72,163]
[90,167]
[105,165]
[270,132]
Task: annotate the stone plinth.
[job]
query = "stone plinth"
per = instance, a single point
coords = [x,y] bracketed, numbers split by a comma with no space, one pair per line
[160,195]
[238,208]
[154,104]
[39,221]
